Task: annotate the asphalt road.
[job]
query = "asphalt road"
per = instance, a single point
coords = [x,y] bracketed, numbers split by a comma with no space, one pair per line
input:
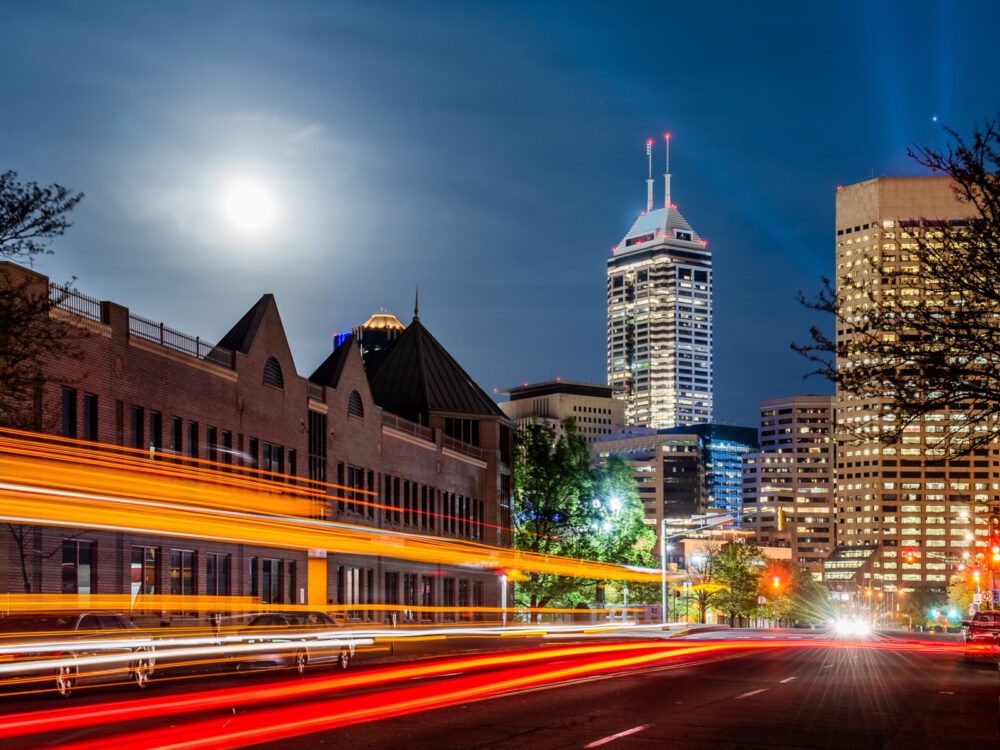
[809,698]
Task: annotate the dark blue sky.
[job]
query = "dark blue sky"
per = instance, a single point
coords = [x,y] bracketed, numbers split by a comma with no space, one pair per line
[492,153]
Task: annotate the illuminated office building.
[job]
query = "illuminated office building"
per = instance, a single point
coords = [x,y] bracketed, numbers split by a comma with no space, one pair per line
[659,327]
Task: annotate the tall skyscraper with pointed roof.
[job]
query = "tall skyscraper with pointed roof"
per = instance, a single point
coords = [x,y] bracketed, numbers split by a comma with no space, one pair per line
[660,318]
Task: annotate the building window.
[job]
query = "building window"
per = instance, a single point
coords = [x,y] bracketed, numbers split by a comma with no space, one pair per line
[69,412]
[317,446]
[290,587]
[426,596]
[466,430]
[254,452]
[271,581]
[391,588]
[138,439]
[212,443]
[355,482]
[181,572]
[90,417]
[77,567]
[448,591]
[193,440]
[217,575]
[272,458]
[144,569]
[354,405]
[409,594]
[227,448]
[177,436]
[254,576]
[155,431]
[272,373]
[463,593]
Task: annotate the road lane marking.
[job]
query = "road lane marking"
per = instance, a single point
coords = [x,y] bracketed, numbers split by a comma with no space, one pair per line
[787,679]
[612,737]
[752,692]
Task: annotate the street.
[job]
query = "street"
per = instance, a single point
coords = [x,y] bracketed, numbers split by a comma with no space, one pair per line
[786,698]
[747,689]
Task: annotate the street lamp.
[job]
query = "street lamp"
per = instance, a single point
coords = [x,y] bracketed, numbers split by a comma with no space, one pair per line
[663,570]
[776,582]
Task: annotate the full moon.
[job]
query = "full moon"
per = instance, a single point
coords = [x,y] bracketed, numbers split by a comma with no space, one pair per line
[248,206]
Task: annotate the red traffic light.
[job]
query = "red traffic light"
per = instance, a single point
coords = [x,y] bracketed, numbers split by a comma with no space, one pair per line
[676,593]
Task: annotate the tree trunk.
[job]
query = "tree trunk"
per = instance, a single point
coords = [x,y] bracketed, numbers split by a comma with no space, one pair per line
[18,535]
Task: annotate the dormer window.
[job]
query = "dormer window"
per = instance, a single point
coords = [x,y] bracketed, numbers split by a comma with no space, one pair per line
[639,240]
[682,235]
[272,373]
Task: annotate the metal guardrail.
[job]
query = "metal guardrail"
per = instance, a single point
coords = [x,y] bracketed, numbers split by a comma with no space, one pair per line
[405,425]
[160,334]
[74,302]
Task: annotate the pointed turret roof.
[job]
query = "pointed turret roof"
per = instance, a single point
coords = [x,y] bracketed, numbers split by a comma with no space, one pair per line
[329,372]
[241,335]
[416,375]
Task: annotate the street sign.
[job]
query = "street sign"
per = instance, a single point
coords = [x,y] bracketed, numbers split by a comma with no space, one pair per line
[977,598]
[761,600]
[972,610]
[996,596]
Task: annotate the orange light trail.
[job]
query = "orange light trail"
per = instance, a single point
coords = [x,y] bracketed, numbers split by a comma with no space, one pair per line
[39,490]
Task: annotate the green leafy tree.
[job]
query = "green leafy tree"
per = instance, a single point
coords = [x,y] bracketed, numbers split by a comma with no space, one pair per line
[552,483]
[566,506]
[801,598]
[738,567]
[960,591]
[916,606]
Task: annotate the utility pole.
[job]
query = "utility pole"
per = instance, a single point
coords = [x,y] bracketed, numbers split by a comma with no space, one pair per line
[663,569]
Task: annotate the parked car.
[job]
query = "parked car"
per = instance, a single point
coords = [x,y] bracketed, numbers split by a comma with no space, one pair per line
[301,639]
[71,640]
[983,630]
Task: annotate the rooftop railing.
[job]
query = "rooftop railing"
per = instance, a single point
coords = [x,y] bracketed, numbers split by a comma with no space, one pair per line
[158,333]
[74,302]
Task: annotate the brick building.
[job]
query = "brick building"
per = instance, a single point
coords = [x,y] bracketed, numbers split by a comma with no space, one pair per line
[412,428]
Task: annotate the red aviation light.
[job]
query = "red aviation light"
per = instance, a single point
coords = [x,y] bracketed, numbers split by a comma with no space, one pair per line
[667,136]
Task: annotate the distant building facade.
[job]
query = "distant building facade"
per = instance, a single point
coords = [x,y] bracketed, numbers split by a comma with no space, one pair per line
[596,412]
[788,484]
[435,454]
[723,447]
[659,320]
[900,501]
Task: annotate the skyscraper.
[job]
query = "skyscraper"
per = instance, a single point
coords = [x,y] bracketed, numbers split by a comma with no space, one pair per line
[660,318]
[905,517]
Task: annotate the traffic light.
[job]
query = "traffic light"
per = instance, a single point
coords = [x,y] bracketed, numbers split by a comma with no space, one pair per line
[676,594]
[996,553]
[909,555]
[776,581]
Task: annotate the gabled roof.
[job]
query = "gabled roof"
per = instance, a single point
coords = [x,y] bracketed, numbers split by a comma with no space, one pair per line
[329,372]
[241,335]
[415,375]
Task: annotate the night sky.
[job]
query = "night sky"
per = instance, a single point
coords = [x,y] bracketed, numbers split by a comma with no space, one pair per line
[491,153]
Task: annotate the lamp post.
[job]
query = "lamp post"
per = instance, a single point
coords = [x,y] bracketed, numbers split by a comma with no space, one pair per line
[663,569]
[503,596]
[776,582]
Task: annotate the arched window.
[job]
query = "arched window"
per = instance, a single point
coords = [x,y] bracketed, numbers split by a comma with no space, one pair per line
[354,405]
[272,373]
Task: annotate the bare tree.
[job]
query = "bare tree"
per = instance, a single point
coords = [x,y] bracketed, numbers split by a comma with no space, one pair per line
[934,345]
[30,216]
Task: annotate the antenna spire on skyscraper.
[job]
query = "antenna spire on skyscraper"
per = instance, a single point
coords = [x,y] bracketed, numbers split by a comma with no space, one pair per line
[666,174]
[649,181]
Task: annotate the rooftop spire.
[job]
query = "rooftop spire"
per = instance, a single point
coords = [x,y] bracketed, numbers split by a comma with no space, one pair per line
[416,304]
[666,174]
[649,181]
